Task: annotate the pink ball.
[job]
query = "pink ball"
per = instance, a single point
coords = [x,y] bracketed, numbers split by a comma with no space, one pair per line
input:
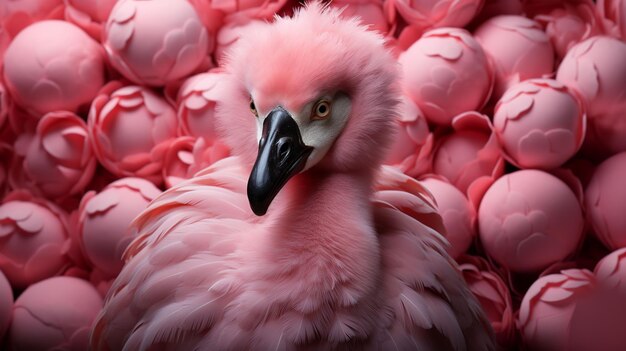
[528,220]
[540,123]
[493,295]
[494,8]
[155,42]
[55,314]
[604,200]
[89,14]
[446,73]
[6,304]
[427,14]
[596,68]
[613,14]
[197,99]
[230,32]
[518,48]
[471,153]
[104,220]
[411,149]
[187,155]
[611,270]
[131,129]
[34,240]
[369,12]
[59,161]
[458,216]
[53,65]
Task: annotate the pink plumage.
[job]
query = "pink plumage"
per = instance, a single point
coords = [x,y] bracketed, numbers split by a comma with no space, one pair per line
[348,256]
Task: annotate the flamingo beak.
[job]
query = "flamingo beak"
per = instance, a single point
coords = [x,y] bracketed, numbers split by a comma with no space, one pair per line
[282,154]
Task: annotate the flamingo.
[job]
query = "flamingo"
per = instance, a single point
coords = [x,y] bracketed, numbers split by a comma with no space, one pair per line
[300,241]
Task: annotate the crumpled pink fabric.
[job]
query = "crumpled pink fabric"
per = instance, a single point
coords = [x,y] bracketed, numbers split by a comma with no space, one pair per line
[131,129]
[35,240]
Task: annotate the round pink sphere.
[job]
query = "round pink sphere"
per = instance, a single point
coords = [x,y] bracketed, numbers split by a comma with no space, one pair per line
[369,12]
[611,269]
[528,220]
[6,304]
[59,161]
[187,155]
[33,241]
[596,68]
[469,153]
[197,99]
[131,129]
[519,50]
[230,32]
[412,145]
[53,65]
[540,123]
[446,73]
[104,220]
[604,201]
[155,42]
[89,14]
[55,314]
[458,216]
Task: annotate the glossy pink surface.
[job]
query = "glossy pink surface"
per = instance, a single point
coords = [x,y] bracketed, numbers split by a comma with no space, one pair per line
[596,69]
[155,42]
[53,65]
[104,220]
[54,314]
[604,200]
[540,123]
[519,50]
[528,220]
[446,73]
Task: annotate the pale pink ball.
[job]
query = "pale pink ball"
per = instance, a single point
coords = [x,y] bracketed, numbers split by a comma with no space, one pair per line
[613,14]
[427,14]
[104,220]
[458,215]
[446,73]
[519,50]
[369,12]
[570,23]
[89,15]
[470,153]
[59,161]
[611,269]
[230,33]
[494,8]
[262,9]
[493,295]
[6,304]
[155,42]
[187,155]
[604,200]
[575,310]
[53,65]
[55,314]
[131,129]
[528,220]
[34,241]
[596,68]
[412,145]
[540,123]
[197,99]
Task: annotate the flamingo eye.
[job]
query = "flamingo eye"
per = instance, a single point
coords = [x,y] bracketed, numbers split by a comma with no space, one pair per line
[253,108]
[321,110]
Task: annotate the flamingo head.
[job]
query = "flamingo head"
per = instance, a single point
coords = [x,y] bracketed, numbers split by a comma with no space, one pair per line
[313,91]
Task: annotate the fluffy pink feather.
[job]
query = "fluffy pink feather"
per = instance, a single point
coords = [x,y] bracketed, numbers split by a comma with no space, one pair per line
[348,257]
